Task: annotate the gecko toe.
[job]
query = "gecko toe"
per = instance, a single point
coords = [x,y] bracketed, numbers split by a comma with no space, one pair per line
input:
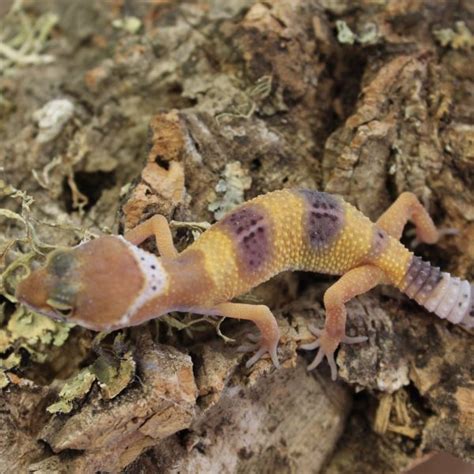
[311,346]
[314,330]
[327,348]
[317,360]
[274,357]
[332,365]
[256,357]
[354,340]
[330,358]
[247,347]
[261,350]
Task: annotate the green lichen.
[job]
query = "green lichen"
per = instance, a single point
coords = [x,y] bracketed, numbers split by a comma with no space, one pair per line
[32,332]
[232,186]
[344,34]
[74,389]
[191,324]
[4,380]
[9,363]
[23,38]
[130,24]
[12,361]
[112,377]
[29,238]
[244,103]
[35,329]
[4,341]
[114,370]
[459,37]
[368,34]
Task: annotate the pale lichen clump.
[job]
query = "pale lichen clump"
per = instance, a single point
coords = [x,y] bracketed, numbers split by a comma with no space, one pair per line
[232,186]
[51,119]
[459,37]
[73,389]
[367,33]
[112,371]
[23,39]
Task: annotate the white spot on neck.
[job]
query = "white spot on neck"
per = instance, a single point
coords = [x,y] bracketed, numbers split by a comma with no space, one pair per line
[154,275]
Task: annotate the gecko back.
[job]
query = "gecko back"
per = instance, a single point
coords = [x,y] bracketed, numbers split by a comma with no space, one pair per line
[298,229]
[284,230]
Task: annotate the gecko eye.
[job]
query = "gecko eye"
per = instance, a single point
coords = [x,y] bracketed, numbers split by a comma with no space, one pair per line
[65,313]
[63,309]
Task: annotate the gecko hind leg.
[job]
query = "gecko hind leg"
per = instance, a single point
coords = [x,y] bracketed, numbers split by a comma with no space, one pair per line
[355,282]
[406,208]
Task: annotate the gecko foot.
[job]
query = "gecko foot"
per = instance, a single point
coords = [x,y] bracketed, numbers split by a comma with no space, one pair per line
[261,348]
[327,347]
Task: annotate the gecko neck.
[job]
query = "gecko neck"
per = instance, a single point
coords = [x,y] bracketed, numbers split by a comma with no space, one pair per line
[190,284]
[188,287]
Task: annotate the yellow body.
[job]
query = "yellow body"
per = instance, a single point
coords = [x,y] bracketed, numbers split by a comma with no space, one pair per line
[285,211]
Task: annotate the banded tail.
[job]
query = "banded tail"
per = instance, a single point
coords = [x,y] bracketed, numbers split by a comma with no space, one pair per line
[446,296]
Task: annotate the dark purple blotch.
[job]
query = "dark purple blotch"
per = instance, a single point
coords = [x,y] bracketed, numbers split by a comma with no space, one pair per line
[249,227]
[324,217]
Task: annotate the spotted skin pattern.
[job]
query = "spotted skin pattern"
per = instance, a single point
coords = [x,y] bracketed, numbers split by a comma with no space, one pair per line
[282,230]
[250,229]
[323,218]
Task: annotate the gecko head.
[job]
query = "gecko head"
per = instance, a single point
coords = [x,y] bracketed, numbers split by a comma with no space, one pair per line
[94,284]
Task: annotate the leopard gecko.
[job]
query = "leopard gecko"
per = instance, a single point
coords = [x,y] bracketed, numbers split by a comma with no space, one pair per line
[111,283]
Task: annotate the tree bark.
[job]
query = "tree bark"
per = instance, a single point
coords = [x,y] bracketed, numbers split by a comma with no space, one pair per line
[110,113]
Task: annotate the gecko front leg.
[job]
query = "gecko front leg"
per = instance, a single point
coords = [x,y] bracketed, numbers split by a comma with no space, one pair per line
[263,319]
[159,227]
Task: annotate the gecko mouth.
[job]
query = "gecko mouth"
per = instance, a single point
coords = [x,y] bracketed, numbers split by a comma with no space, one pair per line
[45,311]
